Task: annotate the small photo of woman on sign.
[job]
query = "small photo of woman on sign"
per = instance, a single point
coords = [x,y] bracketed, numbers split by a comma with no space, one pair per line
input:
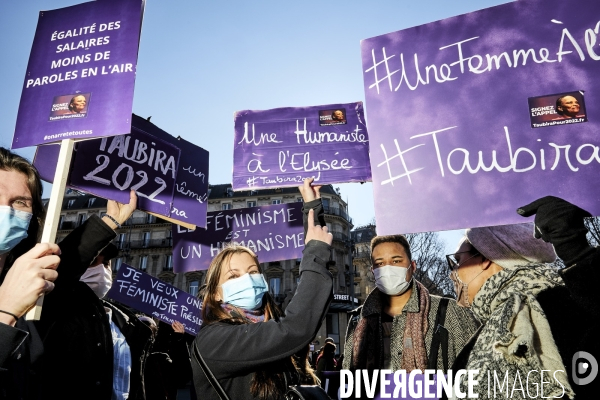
[568,107]
[77,104]
[70,106]
[557,109]
[332,117]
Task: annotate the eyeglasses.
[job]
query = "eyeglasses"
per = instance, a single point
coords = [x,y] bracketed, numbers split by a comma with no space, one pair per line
[453,264]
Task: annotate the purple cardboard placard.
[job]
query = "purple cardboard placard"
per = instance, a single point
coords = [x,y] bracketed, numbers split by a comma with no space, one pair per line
[111,167]
[452,143]
[191,185]
[81,73]
[191,188]
[282,146]
[150,295]
[273,232]
[45,160]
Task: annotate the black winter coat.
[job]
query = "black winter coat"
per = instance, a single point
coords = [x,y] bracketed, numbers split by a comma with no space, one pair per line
[235,352]
[75,328]
[22,372]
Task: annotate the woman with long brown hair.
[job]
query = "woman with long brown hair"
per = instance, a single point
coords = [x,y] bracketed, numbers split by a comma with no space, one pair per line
[245,342]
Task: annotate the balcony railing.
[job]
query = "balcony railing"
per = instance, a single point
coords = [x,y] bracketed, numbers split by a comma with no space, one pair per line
[144,220]
[337,211]
[144,244]
[339,236]
[363,254]
[67,225]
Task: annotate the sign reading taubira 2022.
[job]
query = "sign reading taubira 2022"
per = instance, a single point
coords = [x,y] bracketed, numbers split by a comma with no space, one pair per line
[81,73]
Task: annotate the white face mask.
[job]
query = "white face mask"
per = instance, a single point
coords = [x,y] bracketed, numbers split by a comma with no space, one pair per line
[391,280]
[99,279]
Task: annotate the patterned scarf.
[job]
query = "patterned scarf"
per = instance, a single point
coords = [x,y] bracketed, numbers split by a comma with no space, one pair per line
[516,337]
[414,355]
[367,348]
[237,312]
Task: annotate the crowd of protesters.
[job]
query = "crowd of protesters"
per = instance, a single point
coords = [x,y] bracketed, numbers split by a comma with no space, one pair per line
[513,312]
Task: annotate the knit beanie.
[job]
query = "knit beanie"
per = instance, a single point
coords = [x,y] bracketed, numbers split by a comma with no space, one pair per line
[510,246]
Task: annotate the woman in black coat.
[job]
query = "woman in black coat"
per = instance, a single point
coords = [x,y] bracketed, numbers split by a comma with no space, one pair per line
[244,342]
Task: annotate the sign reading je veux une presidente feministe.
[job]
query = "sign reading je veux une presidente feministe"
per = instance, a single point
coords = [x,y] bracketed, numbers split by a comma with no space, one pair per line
[282,146]
[474,116]
[81,73]
[154,297]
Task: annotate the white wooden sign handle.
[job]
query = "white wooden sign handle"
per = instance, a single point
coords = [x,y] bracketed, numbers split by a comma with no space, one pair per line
[54,208]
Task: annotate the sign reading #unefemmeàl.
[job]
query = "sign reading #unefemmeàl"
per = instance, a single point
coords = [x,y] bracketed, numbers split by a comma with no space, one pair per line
[283,146]
[274,232]
[474,116]
[154,297]
[81,73]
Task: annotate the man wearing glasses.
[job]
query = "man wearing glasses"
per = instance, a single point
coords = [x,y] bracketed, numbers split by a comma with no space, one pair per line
[401,326]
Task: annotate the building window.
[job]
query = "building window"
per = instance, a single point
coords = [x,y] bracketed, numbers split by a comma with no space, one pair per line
[146,239]
[151,219]
[276,201]
[70,203]
[143,262]
[357,290]
[170,237]
[60,221]
[226,206]
[116,264]
[121,240]
[275,286]
[299,199]
[91,202]
[169,263]
[251,203]
[333,324]
[325,202]
[193,288]
[81,219]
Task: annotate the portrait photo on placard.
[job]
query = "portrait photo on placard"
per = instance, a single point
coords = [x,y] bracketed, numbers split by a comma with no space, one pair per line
[335,116]
[70,106]
[557,109]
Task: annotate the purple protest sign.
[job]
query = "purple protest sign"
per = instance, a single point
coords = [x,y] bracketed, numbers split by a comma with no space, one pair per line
[191,188]
[81,73]
[111,167]
[273,232]
[282,146]
[154,297]
[188,193]
[453,144]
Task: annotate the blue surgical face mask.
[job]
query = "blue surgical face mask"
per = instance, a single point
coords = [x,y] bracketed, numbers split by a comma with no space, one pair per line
[246,291]
[13,227]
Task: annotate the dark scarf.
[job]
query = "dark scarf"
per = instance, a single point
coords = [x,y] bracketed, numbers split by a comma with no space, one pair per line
[367,351]
[252,316]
